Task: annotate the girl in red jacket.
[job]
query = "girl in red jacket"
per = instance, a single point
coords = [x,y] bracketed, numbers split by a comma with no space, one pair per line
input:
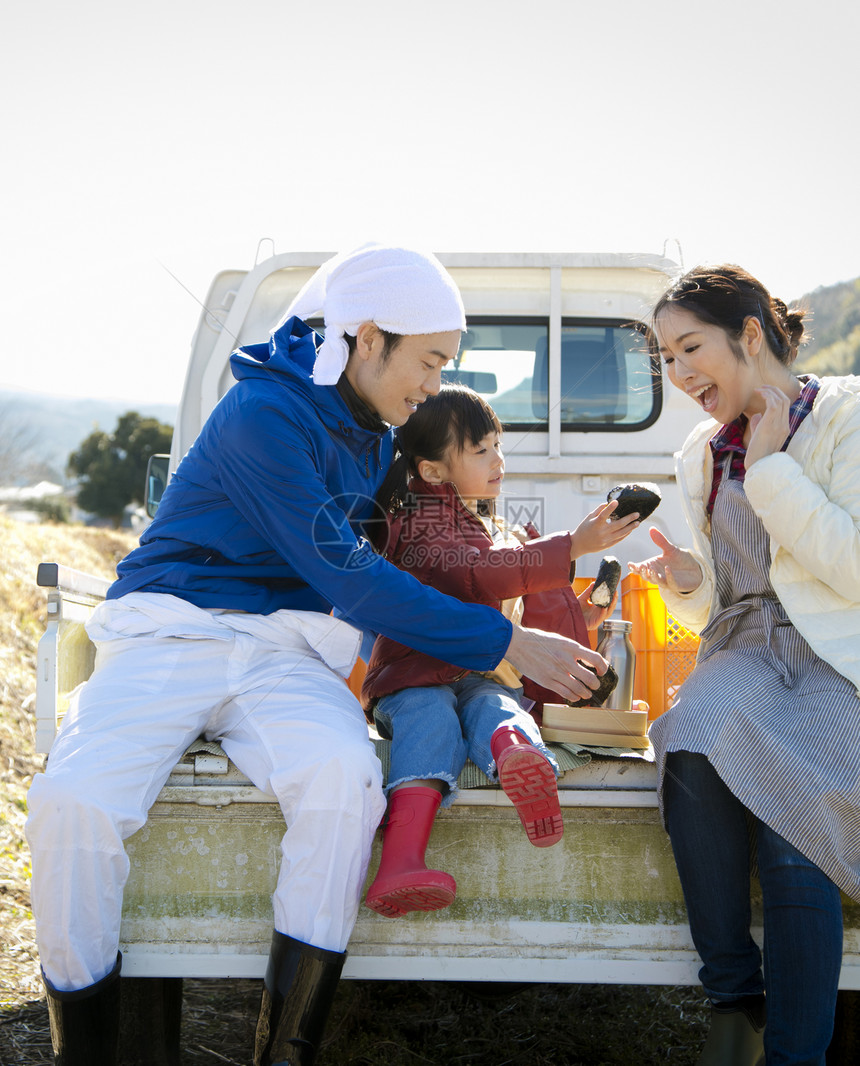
[440,529]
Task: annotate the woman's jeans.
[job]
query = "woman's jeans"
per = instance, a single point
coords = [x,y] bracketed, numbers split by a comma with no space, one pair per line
[711,833]
[433,730]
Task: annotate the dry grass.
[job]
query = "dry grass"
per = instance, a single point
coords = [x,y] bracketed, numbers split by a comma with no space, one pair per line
[372,1023]
[22,621]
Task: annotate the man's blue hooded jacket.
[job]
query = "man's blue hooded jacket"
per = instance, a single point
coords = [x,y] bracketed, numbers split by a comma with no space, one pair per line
[266,512]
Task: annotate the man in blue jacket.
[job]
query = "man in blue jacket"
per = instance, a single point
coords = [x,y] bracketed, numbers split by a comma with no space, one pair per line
[220,624]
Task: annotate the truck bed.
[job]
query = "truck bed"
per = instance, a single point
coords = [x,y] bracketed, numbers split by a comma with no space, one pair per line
[604,905]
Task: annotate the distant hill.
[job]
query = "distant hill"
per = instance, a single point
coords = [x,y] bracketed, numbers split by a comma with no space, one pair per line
[43,429]
[834,345]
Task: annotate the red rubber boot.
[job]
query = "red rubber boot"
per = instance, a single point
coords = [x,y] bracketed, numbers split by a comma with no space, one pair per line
[403,883]
[529,782]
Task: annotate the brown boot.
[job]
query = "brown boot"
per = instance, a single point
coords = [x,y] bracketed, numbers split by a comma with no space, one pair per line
[736,1037]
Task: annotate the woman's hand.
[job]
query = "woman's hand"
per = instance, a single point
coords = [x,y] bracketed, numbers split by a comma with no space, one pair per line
[555,662]
[769,430]
[594,616]
[597,532]
[674,568]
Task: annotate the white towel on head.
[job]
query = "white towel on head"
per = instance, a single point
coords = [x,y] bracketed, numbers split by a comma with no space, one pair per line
[400,290]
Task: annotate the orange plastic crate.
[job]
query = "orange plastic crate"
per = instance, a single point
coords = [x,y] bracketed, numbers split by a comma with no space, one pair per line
[665,650]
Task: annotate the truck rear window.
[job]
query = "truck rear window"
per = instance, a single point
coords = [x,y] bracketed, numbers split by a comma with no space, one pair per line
[609,381]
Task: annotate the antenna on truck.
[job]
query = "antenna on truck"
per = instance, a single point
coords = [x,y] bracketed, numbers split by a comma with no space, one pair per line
[260,244]
[677,243]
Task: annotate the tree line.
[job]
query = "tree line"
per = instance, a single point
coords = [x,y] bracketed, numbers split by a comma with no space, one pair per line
[111,467]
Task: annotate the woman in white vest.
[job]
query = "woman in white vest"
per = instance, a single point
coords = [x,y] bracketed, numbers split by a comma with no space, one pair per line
[759,757]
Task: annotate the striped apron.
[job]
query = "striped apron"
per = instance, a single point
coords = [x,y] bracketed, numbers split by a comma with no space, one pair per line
[779,725]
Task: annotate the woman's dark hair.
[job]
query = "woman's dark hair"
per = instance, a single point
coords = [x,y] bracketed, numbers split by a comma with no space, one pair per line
[455,416]
[727,296]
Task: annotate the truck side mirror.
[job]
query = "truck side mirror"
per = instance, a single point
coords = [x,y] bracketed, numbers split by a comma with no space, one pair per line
[157,473]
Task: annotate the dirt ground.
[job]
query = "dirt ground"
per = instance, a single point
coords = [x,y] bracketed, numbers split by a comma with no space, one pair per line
[420,1024]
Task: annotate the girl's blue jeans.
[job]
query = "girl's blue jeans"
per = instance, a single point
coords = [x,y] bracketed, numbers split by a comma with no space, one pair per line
[711,836]
[434,730]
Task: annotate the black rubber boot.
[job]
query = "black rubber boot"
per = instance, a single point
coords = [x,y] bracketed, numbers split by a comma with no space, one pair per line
[736,1037]
[297,995]
[85,1023]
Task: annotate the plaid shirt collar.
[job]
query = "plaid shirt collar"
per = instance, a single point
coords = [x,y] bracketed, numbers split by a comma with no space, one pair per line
[727,444]
[729,438]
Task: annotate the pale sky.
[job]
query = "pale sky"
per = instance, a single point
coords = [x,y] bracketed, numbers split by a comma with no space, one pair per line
[179,133]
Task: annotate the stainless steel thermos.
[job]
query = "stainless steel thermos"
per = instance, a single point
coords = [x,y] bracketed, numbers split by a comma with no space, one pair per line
[616,647]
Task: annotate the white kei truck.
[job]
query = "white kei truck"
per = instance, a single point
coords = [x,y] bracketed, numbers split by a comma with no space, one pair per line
[555,344]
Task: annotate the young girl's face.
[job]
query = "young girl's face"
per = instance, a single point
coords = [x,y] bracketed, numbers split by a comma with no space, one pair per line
[701,362]
[478,470]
